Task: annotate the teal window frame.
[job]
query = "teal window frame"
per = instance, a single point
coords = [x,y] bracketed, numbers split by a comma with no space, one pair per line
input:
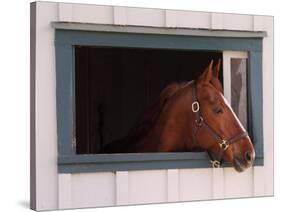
[65,40]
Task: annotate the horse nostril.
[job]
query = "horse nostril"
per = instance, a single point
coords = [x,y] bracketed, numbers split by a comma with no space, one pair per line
[248,156]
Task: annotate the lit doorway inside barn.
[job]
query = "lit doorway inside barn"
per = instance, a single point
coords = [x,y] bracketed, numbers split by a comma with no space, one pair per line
[113,86]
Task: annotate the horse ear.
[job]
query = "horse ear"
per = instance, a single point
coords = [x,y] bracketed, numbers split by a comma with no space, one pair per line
[215,81]
[207,75]
[216,70]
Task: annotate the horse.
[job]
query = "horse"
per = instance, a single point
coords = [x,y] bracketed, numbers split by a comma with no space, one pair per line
[191,116]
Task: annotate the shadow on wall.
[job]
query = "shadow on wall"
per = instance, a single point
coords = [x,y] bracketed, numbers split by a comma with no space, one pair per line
[24,204]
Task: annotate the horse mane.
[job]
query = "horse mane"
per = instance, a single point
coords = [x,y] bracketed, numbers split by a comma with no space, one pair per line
[151,114]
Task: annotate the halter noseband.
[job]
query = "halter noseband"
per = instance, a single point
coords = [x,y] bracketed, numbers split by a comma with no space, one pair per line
[199,122]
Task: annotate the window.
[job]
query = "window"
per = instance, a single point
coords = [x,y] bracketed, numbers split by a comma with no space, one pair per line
[113,86]
[67,42]
[236,81]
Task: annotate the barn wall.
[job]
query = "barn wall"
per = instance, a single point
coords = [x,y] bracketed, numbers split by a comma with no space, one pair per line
[267,24]
[55,190]
[44,171]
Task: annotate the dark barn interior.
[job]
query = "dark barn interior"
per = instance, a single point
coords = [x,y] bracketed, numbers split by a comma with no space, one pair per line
[114,85]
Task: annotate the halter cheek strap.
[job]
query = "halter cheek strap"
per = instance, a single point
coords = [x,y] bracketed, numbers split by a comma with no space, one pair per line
[201,123]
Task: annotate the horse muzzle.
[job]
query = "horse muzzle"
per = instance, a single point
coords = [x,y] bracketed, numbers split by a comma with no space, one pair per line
[242,163]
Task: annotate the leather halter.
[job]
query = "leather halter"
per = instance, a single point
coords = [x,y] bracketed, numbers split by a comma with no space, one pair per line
[200,122]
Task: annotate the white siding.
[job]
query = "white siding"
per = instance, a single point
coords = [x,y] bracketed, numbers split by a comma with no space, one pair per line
[147,186]
[122,188]
[65,12]
[237,22]
[171,18]
[55,190]
[45,108]
[145,17]
[259,182]
[64,191]
[217,21]
[93,189]
[189,19]
[120,16]
[267,24]
[195,184]
[173,185]
[92,14]
[218,183]
[238,184]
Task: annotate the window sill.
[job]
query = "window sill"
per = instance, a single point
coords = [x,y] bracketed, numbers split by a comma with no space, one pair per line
[135,161]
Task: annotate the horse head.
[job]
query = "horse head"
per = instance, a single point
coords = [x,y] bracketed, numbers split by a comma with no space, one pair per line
[219,130]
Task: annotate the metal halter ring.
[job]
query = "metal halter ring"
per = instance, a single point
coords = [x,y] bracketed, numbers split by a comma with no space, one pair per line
[215,163]
[199,121]
[195,107]
[224,145]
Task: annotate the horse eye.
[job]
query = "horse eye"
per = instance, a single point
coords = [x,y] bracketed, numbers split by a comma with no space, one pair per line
[218,110]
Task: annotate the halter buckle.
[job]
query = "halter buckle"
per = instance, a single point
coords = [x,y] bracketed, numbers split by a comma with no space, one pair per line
[224,145]
[195,107]
[215,163]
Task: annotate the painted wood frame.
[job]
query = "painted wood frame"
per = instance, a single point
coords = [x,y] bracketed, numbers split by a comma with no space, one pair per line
[227,55]
[66,39]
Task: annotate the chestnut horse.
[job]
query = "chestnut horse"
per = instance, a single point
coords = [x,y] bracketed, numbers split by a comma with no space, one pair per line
[191,116]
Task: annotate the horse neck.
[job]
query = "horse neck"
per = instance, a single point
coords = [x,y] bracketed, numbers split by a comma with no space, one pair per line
[177,130]
[164,135]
